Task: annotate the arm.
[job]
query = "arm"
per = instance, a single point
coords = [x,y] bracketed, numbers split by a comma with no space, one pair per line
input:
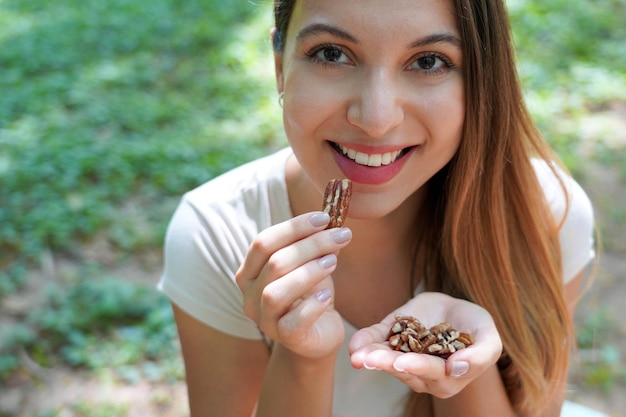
[297,386]
[224,373]
[227,375]
[486,395]
[287,290]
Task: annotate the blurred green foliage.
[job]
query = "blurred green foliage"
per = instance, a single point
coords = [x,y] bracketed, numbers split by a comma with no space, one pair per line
[109,103]
[111,110]
[103,323]
[572,61]
[555,38]
[88,409]
[601,359]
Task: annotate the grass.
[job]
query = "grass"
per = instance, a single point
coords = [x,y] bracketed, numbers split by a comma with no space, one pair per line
[111,110]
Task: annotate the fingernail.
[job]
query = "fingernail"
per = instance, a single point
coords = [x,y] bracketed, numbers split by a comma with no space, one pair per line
[319,219]
[323,295]
[342,235]
[328,261]
[369,367]
[459,369]
[401,363]
[399,368]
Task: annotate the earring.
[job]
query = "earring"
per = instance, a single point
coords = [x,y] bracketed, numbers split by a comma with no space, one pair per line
[281,98]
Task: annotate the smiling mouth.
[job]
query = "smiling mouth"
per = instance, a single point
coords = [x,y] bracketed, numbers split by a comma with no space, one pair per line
[371,160]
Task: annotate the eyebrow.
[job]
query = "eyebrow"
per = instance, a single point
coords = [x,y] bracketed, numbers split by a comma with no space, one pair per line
[317,28]
[436,38]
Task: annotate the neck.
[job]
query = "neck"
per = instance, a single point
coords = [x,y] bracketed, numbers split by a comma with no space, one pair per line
[376,269]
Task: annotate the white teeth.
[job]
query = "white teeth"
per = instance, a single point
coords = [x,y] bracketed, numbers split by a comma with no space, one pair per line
[375,160]
[372,160]
[361,158]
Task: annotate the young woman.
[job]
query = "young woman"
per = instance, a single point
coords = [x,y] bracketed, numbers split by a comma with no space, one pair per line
[459,213]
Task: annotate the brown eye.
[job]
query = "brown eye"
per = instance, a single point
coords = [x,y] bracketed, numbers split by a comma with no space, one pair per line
[431,64]
[427,62]
[329,55]
[332,54]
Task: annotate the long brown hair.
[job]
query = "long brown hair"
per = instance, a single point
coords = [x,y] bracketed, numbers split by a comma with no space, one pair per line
[493,239]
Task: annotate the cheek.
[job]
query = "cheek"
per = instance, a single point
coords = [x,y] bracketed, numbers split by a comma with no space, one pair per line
[444,114]
[453,107]
[454,119]
[310,98]
[451,102]
[309,110]
[298,122]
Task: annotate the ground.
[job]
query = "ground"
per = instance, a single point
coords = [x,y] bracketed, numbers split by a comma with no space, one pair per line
[36,391]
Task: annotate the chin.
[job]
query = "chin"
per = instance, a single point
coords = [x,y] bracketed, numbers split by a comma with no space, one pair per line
[371,209]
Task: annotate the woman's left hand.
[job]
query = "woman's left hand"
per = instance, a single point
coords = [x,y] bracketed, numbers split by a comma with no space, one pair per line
[427,373]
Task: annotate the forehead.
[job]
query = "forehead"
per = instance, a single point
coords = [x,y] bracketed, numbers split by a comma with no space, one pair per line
[386,20]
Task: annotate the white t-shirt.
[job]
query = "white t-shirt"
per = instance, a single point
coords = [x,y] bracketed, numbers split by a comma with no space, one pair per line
[213,227]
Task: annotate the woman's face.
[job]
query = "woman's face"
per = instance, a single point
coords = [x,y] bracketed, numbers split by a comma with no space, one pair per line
[373,93]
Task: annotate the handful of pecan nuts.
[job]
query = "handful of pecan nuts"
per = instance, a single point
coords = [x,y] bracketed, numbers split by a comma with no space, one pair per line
[409,335]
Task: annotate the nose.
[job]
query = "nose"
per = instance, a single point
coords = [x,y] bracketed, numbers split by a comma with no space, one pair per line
[376,106]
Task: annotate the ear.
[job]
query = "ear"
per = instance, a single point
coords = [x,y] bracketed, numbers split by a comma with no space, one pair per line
[278,64]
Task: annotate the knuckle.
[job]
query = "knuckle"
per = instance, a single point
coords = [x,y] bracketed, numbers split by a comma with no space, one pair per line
[275,266]
[271,298]
[240,278]
[260,244]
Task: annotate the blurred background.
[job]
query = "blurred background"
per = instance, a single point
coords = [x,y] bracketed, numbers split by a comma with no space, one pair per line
[109,111]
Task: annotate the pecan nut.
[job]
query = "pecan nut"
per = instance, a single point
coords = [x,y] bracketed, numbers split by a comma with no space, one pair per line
[408,334]
[336,203]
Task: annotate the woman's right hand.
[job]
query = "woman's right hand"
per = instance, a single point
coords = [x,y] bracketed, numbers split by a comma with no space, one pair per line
[286,284]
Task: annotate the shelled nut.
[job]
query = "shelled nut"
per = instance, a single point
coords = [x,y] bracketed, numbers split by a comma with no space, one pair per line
[336,202]
[408,334]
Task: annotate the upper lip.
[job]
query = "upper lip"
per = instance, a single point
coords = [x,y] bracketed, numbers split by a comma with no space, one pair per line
[371,155]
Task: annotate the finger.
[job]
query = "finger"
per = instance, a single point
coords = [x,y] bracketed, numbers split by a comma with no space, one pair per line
[426,373]
[425,367]
[381,359]
[278,296]
[475,359]
[294,255]
[275,237]
[294,325]
[377,333]
[359,357]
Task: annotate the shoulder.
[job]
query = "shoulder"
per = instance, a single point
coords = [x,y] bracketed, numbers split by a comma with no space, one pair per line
[249,187]
[221,217]
[573,211]
[209,235]
[567,199]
